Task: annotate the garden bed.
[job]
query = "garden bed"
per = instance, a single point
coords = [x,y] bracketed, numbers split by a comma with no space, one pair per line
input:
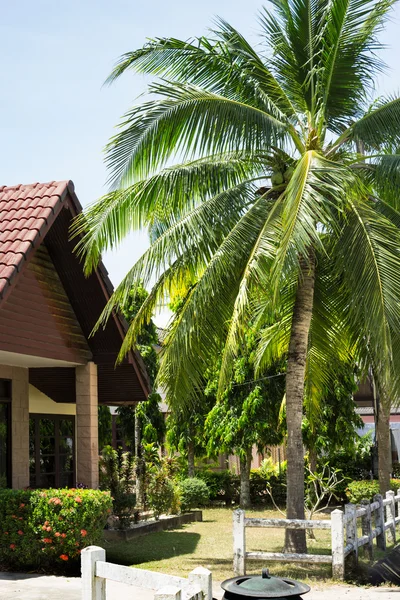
[164,523]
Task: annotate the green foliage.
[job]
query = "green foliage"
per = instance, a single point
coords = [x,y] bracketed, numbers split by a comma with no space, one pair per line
[332,425]
[161,495]
[193,493]
[222,485]
[153,423]
[45,528]
[148,336]
[117,476]
[360,490]
[105,426]
[396,469]
[354,460]
[270,469]
[247,412]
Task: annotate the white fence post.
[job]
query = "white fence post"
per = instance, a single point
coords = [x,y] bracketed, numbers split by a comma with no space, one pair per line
[391,515]
[380,523]
[202,578]
[168,593]
[337,522]
[239,543]
[93,588]
[366,527]
[351,529]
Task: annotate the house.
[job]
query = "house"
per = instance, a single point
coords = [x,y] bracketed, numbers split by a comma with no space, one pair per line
[53,373]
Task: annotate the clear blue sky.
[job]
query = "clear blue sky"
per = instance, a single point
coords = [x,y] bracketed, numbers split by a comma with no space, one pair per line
[55,116]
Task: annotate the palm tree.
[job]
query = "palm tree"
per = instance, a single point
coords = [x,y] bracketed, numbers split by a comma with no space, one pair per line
[282,205]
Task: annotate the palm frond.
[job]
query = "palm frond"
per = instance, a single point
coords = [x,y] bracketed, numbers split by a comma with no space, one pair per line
[172,192]
[369,255]
[187,121]
[381,125]
[200,327]
[349,62]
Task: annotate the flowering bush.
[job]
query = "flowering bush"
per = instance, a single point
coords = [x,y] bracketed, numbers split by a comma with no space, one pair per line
[46,527]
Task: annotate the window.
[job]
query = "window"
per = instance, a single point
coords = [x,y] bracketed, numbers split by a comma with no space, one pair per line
[51,451]
[5,433]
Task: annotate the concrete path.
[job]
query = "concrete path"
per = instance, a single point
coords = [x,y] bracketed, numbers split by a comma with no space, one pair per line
[17,586]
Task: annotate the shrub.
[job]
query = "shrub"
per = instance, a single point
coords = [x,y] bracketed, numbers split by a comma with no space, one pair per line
[161,495]
[194,493]
[221,484]
[259,485]
[49,527]
[396,469]
[117,476]
[358,490]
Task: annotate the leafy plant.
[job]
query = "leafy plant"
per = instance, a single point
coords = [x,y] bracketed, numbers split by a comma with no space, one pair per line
[360,490]
[161,495]
[193,493]
[117,475]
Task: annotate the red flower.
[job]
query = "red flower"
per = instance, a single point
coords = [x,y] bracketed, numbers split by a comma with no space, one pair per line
[46,522]
[47,540]
[63,535]
[12,546]
[20,532]
[78,499]
[64,556]
[20,518]
[83,532]
[57,534]
[44,527]
[6,533]
[22,505]
[48,528]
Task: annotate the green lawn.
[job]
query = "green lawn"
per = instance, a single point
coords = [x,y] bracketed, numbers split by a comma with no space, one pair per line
[209,544]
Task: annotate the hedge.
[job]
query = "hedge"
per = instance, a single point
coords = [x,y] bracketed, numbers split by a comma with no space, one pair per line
[225,486]
[358,490]
[45,528]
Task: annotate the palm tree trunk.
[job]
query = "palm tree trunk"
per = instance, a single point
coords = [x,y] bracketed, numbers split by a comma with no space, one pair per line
[245,466]
[190,452]
[384,451]
[295,540]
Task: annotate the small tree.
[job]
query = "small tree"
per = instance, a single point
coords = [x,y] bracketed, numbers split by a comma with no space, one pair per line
[333,422]
[247,413]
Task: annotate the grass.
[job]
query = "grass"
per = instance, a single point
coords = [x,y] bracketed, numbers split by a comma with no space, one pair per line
[209,544]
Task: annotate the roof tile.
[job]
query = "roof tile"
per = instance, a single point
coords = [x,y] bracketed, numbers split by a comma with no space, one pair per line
[26,212]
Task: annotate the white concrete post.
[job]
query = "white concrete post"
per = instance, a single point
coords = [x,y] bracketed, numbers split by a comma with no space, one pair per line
[351,528]
[337,522]
[366,527]
[239,543]
[168,593]
[93,588]
[202,578]
[380,522]
[391,516]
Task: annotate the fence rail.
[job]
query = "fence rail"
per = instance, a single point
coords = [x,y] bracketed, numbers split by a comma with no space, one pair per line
[378,519]
[96,571]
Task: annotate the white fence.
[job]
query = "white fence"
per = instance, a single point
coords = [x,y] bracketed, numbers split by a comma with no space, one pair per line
[96,571]
[377,518]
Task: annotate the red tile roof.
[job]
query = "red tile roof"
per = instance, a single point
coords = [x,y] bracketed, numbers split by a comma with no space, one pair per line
[26,214]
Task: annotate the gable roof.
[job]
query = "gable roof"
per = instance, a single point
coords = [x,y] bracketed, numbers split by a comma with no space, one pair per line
[26,214]
[41,213]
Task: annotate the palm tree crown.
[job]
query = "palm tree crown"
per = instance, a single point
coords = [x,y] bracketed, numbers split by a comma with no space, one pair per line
[283,207]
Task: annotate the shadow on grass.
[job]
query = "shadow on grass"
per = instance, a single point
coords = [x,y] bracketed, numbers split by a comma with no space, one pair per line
[155,547]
